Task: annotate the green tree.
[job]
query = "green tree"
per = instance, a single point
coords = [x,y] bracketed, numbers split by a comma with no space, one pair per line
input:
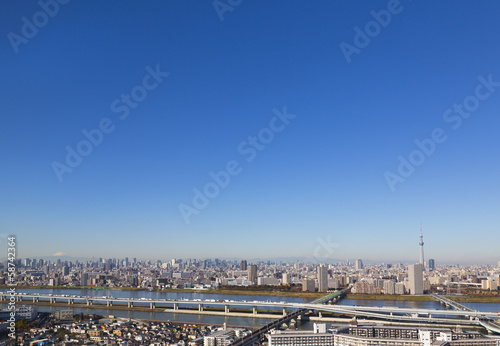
[61,332]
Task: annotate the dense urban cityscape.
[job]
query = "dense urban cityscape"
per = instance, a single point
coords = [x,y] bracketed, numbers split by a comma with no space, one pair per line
[215,276]
[209,274]
[30,280]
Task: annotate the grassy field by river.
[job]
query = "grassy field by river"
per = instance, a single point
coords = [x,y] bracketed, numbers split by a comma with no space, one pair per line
[388,297]
[219,291]
[269,293]
[473,299]
[461,299]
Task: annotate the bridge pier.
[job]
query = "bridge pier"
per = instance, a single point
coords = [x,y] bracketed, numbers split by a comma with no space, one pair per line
[152,305]
[226,308]
[284,311]
[130,304]
[69,301]
[109,303]
[254,310]
[200,307]
[320,314]
[176,306]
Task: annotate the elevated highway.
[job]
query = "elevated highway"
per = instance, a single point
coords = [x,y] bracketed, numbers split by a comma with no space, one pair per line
[461,314]
[257,334]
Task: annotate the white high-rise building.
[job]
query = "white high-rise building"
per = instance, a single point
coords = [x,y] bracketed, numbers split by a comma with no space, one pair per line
[389,287]
[399,288]
[415,279]
[359,264]
[322,279]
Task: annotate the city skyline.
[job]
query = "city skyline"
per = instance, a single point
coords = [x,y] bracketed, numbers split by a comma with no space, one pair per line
[320,255]
[269,130]
[250,260]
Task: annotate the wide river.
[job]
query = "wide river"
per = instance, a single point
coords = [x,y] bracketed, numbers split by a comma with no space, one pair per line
[209,319]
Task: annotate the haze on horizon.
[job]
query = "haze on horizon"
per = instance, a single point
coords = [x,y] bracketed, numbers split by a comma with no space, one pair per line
[297,127]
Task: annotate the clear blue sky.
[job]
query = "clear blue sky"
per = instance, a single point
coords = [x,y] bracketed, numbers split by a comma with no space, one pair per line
[324,174]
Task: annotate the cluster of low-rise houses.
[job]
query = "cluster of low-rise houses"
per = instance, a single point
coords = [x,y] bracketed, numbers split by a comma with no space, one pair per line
[135,332]
[111,331]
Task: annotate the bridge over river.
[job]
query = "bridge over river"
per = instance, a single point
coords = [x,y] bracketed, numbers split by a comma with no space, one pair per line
[459,315]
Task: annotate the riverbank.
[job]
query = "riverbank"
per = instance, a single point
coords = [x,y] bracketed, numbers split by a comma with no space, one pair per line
[472,299]
[268,293]
[389,297]
[74,288]
[460,299]
[170,290]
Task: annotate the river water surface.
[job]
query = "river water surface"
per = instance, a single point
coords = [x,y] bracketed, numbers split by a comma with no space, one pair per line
[230,320]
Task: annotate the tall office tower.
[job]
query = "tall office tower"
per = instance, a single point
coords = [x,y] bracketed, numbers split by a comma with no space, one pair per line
[243,265]
[322,279]
[431,264]
[499,264]
[252,273]
[84,279]
[416,279]
[65,270]
[422,248]
[359,264]
[285,279]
